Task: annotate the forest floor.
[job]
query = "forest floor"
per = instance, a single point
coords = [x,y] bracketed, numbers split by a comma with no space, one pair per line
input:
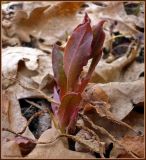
[110,122]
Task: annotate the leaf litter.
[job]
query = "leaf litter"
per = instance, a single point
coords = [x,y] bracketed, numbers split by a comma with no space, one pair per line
[104,125]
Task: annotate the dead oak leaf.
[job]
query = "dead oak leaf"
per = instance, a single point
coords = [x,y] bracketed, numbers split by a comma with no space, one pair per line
[134,144]
[13,120]
[55,150]
[48,23]
[25,63]
[122,96]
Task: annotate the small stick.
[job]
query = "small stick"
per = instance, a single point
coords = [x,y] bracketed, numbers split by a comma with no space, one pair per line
[104,131]
[30,120]
[50,113]
[110,117]
[75,138]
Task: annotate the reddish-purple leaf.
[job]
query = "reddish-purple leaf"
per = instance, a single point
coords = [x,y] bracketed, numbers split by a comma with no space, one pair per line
[57,63]
[98,38]
[97,43]
[56,97]
[73,120]
[26,145]
[68,108]
[77,52]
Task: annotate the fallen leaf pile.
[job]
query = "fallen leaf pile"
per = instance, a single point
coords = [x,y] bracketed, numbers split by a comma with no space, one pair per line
[112,114]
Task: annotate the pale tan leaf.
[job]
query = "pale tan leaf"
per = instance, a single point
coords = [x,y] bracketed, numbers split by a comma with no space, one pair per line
[55,150]
[122,96]
[30,66]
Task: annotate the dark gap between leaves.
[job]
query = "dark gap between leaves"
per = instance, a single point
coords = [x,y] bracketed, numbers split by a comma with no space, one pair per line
[139,107]
[100,4]
[142,74]
[71,143]
[140,58]
[41,40]
[141,29]
[84,5]
[108,150]
[40,123]
[132,8]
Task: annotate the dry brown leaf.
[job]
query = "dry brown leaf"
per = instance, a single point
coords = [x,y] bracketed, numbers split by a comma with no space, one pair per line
[13,120]
[132,143]
[136,120]
[108,72]
[122,96]
[10,150]
[87,136]
[25,6]
[133,72]
[55,150]
[30,66]
[113,128]
[114,11]
[135,144]
[48,23]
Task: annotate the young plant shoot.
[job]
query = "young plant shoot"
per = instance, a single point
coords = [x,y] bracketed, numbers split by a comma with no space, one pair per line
[84,44]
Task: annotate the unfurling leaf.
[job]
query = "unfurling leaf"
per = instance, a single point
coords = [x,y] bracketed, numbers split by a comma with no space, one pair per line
[97,43]
[77,52]
[57,63]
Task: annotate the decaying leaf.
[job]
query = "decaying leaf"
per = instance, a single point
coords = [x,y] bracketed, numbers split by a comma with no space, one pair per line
[114,11]
[53,29]
[108,72]
[13,120]
[134,72]
[34,60]
[28,7]
[137,122]
[60,148]
[10,150]
[122,96]
[30,66]
[133,143]
[117,99]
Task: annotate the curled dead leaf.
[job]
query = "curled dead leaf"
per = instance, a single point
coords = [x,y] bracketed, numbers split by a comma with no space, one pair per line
[48,33]
[122,96]
[30,66]
[133,143]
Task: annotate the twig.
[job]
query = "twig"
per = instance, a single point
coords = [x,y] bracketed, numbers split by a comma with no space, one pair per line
[109,117]
[30,120]
[27,109]
[104,131]
[50,113]
[87,144]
